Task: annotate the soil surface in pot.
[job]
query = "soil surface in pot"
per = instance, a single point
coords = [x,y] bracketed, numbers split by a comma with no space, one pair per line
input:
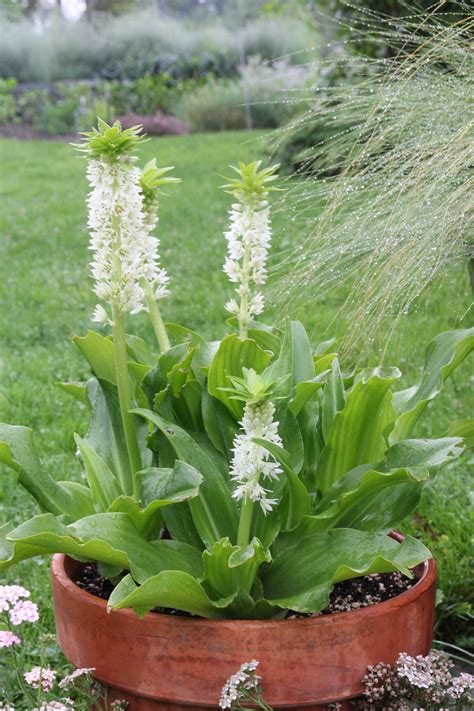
[347,595]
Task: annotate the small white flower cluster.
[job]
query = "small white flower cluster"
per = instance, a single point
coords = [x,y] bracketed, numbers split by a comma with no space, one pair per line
[8,639]
[72,678]
[125,257]
[41,676]
[55,706]
[422,672]
[239,685]
[251,460]
[413,681]
[14,604]
[461,685]
[248,241]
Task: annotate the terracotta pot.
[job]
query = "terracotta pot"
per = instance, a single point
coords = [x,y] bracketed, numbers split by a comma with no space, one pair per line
[180,663]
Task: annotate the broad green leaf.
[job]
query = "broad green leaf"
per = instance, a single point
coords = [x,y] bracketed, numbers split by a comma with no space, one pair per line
[232,356]
[266,336]
[17,451]
[219,424]
[303,392]
[357,433]
[139,350]
[309,424]
[295,357]
[429,453]
[296,501]
[301,577]
[76,389]
[103,484]
[289,431]
[370,500]
[83,504]
[106,437]
[322,364]
[333,399]
[443,355]
[187,406]
[11,553]
[159,488]
[179,374]
[204,352]
[228,568]
[180,525]
[110,538]
[173,589]
[325,347]
[170,485]
[99,352]
[44,535]
[214,512]
[463,429]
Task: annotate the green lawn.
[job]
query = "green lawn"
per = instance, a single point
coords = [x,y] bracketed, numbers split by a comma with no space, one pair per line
[45,297]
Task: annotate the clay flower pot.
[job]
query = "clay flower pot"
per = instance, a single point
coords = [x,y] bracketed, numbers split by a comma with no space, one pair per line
[181,663]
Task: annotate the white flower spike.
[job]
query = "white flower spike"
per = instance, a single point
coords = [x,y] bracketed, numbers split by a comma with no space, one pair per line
[248,240]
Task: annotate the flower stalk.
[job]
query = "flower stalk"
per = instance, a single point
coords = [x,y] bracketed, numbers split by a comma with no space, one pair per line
[125,399]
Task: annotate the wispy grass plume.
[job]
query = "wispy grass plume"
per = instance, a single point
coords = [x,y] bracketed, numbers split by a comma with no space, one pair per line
[398,213]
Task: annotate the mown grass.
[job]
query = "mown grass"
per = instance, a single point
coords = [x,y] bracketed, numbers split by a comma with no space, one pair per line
[45,297]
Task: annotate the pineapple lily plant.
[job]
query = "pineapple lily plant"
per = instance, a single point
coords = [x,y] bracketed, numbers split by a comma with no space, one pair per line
[238,478]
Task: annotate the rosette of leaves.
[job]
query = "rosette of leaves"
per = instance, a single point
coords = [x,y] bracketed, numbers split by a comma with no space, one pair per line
[351,471]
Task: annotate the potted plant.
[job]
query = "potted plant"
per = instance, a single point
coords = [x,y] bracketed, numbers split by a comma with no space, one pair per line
[230,485]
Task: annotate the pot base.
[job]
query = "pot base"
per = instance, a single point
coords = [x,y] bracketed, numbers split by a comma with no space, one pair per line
[140,704]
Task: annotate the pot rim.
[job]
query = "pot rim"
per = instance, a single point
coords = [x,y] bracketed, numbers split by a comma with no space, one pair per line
[424,582]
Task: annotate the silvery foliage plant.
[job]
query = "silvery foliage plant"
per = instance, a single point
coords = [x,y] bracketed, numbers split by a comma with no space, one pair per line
[238,478]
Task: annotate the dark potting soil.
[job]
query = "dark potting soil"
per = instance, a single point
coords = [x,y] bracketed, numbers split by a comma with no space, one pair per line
[348,595]
[362,592]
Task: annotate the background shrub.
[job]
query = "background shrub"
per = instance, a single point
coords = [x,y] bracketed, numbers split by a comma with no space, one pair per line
[140,44]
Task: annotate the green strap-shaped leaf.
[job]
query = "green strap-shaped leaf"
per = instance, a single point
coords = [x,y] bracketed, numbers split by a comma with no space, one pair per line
[106,437]
[83,504]
[333,399]
[295,357]
[370,500]
[17,451]
[302,393]
[76,389]
[214,512]
[429,453]
[140,351]
[232,356]
[159,488]
[295,502]
[103,485]
[301,577]
[357,433]
[443,355]
[219,424]
[99,352]
[172,589]
[109,538]
[228,568]
[463,429]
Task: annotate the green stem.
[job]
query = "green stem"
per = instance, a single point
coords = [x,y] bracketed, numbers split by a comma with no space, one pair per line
[157,321]
[125,399]
[245,522]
